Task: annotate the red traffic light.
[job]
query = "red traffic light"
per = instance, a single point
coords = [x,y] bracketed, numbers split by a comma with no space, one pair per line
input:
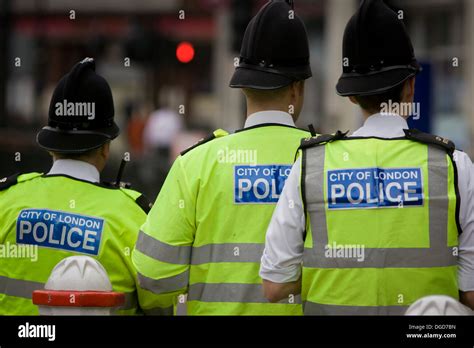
[185,52]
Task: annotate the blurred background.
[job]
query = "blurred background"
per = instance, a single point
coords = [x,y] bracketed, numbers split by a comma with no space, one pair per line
[169,62]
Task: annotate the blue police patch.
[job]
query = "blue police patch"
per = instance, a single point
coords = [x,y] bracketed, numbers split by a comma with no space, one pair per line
[374,188]
[259,184]
[59,230]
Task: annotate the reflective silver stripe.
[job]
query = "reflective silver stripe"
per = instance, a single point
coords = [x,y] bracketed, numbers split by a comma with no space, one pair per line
[231,292]
[159,311]
[182,308]
[236,252]
[439,203]
[159,286]
[130,301]
[314,185]
[384,258]
[438,255]
[185,255]
[19,287]
[160,251]
[311,308]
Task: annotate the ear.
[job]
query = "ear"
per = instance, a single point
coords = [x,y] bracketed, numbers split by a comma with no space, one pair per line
[300,87]
[353,100]
[105,150]
[293,90]
[408,93]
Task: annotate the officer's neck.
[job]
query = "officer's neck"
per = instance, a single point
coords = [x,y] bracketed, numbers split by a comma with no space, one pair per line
[96,162]
[366,114]
[254,110]
[270,101]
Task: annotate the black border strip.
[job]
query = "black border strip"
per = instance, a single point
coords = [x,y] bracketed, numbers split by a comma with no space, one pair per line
[259,330]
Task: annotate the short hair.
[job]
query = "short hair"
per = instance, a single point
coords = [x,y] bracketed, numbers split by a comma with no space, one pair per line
[266,95]
[373,103]
[78,156]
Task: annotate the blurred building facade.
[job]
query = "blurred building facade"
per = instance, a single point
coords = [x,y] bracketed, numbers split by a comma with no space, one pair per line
[134,43]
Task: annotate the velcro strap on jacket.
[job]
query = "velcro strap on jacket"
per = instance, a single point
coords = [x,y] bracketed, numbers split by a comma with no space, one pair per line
[216,134]
[426,138]
[322,139]
[9,181]
[144,203]
[14,179]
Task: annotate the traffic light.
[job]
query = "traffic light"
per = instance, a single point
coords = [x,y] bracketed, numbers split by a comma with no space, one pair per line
[185,52]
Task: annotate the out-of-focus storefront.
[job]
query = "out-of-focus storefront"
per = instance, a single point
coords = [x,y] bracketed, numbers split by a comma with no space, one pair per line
[135,42]
[441,31]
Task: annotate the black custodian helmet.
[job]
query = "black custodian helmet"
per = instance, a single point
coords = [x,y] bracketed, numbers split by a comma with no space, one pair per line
[275,49]
[377,51]
[81,112]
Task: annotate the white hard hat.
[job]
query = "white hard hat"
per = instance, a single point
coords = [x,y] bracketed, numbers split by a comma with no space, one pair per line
[78,285]
[438,305]
[81,273]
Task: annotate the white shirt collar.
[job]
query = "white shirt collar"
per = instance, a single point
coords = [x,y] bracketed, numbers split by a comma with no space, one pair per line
[77,169]
[383,126]
[271,116]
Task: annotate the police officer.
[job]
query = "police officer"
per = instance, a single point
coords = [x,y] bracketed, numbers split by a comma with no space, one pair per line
[384,217]
[48,217]
[206,232]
